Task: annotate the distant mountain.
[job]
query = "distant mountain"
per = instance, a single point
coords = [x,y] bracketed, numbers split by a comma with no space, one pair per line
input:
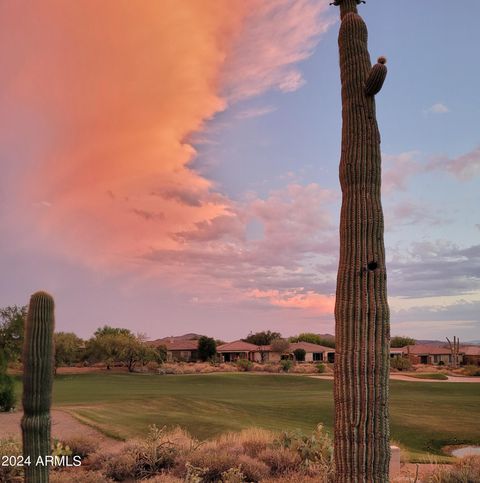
[190,336]
[327,336]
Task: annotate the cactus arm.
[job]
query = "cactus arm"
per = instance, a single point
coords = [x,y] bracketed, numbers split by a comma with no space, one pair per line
[376,78]
[37,385]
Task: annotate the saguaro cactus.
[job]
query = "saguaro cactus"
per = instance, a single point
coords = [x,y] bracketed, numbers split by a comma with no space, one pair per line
[37,386]
[455,350]
[362,450]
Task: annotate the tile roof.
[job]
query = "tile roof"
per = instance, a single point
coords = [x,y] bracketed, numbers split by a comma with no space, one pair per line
[309,347]
[238,346]
[421,349]
[176,344]
[473,350]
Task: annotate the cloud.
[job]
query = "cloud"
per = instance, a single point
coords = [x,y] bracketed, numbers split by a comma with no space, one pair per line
[434,269]
[463,167]
[408,212]
[96,114]
[278,35]
[255,112]
[398,169]
[438,108]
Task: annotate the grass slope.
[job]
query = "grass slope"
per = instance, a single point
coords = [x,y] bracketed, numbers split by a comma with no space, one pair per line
[424,417]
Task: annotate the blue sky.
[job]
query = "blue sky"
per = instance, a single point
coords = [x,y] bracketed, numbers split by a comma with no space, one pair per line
[242,232]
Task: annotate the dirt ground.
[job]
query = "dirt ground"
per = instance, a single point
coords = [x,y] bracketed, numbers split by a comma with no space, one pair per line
[64,426]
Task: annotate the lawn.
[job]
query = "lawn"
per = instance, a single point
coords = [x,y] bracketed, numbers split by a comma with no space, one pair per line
[424,416]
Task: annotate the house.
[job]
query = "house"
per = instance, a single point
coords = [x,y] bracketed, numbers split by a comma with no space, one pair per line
[264,353]
[430,354]
[178,350]
[232,351]
[471,355]
[314,352]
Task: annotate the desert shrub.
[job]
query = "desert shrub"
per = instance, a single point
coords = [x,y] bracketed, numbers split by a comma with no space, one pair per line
[81,445]
[321,368]
[315,451]
[280,460]
[78,476]
[252,441]
[244,365]
[441,363]
[465,470]
[471,370]
[233,475]
[286,365]
[7,392]
[147,457]
[272,367]
[305,369]
[401,363]
[10,474]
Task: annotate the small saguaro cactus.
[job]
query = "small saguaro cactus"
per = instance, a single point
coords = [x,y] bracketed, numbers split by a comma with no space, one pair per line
[38,353]
[455,350]
[362,329]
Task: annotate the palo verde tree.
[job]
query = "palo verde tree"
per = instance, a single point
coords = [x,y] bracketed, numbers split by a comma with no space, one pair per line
[362,450]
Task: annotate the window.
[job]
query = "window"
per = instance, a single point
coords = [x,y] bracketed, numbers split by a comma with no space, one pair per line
[317,356]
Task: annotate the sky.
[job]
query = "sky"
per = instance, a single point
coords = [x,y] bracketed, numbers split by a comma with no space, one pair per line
[172,167]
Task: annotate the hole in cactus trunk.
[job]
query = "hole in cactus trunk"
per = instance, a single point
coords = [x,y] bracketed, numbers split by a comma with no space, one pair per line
[372,266]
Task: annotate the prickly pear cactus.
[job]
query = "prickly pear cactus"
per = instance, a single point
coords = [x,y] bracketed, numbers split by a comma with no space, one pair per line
[37,385]
[362,450]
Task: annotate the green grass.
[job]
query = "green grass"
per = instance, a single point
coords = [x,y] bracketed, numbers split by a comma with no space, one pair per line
[439,376]
[424,417]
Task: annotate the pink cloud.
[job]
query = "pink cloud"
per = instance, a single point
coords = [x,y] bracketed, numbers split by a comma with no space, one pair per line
[278,35]
[463,167]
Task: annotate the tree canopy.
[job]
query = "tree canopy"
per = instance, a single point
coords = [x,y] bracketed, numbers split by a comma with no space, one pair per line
[12,327]
[313,339]
[401,341]
[68,347]
[262,338]
[207,348]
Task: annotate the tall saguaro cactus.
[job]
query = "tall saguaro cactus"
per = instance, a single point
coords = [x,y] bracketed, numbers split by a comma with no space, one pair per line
[362,450]
[37,385]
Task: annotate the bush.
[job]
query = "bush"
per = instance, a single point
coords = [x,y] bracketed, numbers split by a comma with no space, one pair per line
[79,477]
[286,365]
[465,470]
[280,460]
[244,365]
[439,376]
[401,363]
[81,446]
[299,355]
[471,370]
[321,368]
[7,393]
[10,447]
[148,457]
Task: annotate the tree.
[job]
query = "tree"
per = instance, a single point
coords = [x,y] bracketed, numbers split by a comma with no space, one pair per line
[262,338]
[207,348]
[401,341]
[106,347]
[68,348]
[107,330]
[362,319]
[313,339]
[12,327]
[299,355]
[280,346]
[7,389]
[134,351]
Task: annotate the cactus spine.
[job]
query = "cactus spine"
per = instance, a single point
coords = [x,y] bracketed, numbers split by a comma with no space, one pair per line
[37,385]
[362,450]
